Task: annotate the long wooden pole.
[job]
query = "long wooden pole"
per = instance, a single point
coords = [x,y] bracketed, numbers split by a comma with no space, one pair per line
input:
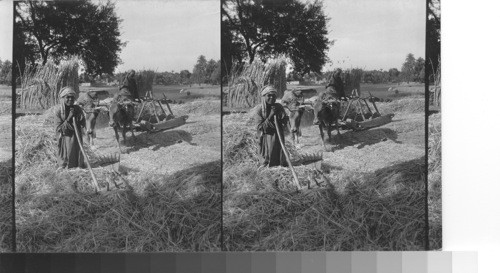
[77,132]
[285,151]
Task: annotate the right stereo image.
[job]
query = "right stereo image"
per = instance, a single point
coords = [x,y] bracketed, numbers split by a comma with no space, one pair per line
[331,125]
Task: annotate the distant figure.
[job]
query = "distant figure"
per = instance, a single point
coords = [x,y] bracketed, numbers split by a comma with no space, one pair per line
[338,85]
[69,154]
[130,83]
[270,147]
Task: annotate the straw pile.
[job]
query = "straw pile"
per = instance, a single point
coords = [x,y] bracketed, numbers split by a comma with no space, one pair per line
[379,209]
[40,85]
[57,210]
[145,79]
[6,206]
[351,78]
[353,81]
[434,180]
[244,88]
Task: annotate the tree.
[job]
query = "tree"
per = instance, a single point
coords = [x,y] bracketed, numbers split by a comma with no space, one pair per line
[393,74]
[199,70]
[408,68]
[215,77]
[185,76]
[57,29]
[419,73]
[267,28]
[433,37]
[5,72]
[210,68]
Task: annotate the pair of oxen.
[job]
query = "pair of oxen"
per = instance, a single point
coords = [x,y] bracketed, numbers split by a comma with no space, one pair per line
[121,114]
[326,108]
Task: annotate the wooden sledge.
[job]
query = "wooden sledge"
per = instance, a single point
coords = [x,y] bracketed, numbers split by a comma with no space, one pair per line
[366,117]
[170,121]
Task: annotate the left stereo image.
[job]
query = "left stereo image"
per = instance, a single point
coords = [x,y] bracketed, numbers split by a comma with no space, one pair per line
[117,126]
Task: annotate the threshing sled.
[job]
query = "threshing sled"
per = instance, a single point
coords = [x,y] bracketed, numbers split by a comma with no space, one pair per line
[365,117]
[157,122]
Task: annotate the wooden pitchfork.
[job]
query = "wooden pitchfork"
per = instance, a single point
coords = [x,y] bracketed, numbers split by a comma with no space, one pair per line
[285,151]
[94,180]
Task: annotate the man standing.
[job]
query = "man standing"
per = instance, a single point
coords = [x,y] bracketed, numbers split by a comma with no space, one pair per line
[270,147]
[130,84]
[69,153]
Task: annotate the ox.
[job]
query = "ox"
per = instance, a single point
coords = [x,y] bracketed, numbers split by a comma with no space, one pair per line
[326,113]
[87,101]
[293,102]
[121,115]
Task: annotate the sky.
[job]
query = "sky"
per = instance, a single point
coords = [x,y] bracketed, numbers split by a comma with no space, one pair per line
[6,30]
[375,34]
[170,35]
[160,35]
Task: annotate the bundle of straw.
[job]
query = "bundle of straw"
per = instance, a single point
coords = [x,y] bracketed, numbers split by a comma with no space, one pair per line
[244,89]
[145,79]
[40,84]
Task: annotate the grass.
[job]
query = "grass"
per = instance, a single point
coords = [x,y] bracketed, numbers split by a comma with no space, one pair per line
[380,206]
[173,91]
[57,211]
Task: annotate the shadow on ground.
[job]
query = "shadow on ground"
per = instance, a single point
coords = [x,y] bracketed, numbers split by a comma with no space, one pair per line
[383,210]
[180,212]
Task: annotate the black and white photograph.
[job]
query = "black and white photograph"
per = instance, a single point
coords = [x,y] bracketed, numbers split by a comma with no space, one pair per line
[117,127]
[324,126]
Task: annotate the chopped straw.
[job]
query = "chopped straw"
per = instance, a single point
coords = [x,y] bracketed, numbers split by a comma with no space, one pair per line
[57,211]
[379,210]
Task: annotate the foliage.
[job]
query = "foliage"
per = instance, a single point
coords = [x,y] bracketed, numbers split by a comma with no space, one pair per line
[5,72]
[206,71]
[413,69]
[267,28]
[54,30]
[433,38]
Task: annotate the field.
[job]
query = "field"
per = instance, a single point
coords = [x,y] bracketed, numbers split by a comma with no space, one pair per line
[172,92]
[172,202]
[380,90]
[5,168]
[376,197]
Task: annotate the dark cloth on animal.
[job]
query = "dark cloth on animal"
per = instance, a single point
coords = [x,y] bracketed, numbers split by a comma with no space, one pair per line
[69,153]
[130,84]
[270,147]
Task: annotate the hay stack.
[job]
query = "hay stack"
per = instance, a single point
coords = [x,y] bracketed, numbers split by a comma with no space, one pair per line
[351,78]
[353,81]
[40,84]
[145,79]
[244,89]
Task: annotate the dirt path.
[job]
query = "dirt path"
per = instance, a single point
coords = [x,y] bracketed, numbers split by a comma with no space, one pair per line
[366,151]
[166,152]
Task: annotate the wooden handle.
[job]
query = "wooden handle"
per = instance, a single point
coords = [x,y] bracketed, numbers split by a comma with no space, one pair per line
[94,180]
[295,178]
